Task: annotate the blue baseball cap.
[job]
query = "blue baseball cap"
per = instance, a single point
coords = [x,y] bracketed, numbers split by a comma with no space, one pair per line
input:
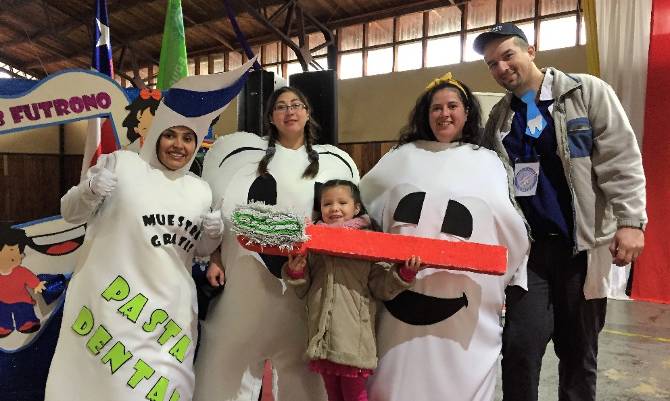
[498,31]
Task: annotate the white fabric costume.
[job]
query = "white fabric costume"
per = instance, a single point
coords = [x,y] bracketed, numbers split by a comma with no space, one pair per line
[440,340]
[130,320]
[257,317]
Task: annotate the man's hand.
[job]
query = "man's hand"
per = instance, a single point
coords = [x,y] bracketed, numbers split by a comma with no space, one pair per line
[626,245]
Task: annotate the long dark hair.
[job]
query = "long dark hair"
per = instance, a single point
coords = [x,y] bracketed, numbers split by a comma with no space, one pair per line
[311,129]
[418,126]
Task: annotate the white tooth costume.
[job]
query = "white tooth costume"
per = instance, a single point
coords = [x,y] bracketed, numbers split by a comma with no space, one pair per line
[130,318]
[257,317]
[449,350]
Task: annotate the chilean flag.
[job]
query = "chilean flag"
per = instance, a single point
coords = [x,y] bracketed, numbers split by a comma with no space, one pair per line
[102,46]
[100,139]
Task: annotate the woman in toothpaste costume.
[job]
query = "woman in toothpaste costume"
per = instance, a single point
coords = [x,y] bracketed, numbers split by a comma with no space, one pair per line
[440,340]
[257,318]
[130,317]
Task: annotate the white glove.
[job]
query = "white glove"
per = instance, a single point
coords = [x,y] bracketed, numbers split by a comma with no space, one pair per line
[212,224]
[102,182]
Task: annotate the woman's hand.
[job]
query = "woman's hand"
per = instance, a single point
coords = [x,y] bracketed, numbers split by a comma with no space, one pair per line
[102,181]
[215,275]
[297,263]
[212,224]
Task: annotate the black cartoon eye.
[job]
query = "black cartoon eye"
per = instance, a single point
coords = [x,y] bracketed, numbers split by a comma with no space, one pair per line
[263,189]
[457,220]
[409,208]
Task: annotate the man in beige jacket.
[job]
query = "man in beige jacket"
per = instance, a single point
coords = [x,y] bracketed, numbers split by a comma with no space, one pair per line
[576,171]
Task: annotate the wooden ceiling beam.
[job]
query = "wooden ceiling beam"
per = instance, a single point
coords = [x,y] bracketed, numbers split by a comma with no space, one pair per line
[413,7]
[79,22]
[359,19]
[117,38]
[190,23]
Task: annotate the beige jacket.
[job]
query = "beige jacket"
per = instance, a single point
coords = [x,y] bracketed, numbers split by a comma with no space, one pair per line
[601,161]
[340,301]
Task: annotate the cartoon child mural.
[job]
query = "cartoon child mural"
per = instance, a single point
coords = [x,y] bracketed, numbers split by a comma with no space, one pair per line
[140,116]
[16,303]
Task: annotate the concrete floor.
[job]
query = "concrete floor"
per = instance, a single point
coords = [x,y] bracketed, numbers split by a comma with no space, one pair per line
[633,360]
[633,357]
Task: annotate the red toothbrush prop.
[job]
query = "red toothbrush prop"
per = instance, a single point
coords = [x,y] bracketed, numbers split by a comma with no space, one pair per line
[264,229]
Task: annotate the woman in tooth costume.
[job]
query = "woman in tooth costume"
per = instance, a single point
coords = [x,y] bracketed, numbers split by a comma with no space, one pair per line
[257,317]
[130,318]
[440,340]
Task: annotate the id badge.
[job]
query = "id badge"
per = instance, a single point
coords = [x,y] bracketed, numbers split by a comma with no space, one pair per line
[526,176]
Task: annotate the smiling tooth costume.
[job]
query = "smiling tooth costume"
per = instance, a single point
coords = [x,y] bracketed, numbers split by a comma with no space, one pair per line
[130,317]
[440,340]
[257,317]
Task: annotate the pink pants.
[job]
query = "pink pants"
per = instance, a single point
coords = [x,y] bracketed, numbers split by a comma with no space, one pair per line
[342,388]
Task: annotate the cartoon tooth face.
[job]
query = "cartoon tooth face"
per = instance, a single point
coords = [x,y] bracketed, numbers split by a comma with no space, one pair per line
[230,168]
[437,294]
[448,322]
[50,254]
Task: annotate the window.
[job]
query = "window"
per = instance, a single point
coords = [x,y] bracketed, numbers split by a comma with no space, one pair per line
[430,38]
[443,51]
[351,65]
[271,53]
[218,63]
[513,10]
[191,67]
[380,32]
[410,56]
[322,61]
[274,68]
[557,33]
[204,65]
[293,68]
[528,30]
[315,40]
[410,26]
[481,13]
[380,61]
[234,60]
[470,54]
[351,37]
[444,20]
[557,6]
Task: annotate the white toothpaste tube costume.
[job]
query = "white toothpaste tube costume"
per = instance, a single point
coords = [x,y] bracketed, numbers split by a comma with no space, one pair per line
[130,317]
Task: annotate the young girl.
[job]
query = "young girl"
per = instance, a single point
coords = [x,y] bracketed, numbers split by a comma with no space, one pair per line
[341,295]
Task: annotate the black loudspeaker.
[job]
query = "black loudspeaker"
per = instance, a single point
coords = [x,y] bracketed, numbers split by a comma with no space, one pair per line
[320,87]
[252,99]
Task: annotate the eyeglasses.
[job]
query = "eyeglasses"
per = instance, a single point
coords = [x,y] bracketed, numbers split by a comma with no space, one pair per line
[283,108]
